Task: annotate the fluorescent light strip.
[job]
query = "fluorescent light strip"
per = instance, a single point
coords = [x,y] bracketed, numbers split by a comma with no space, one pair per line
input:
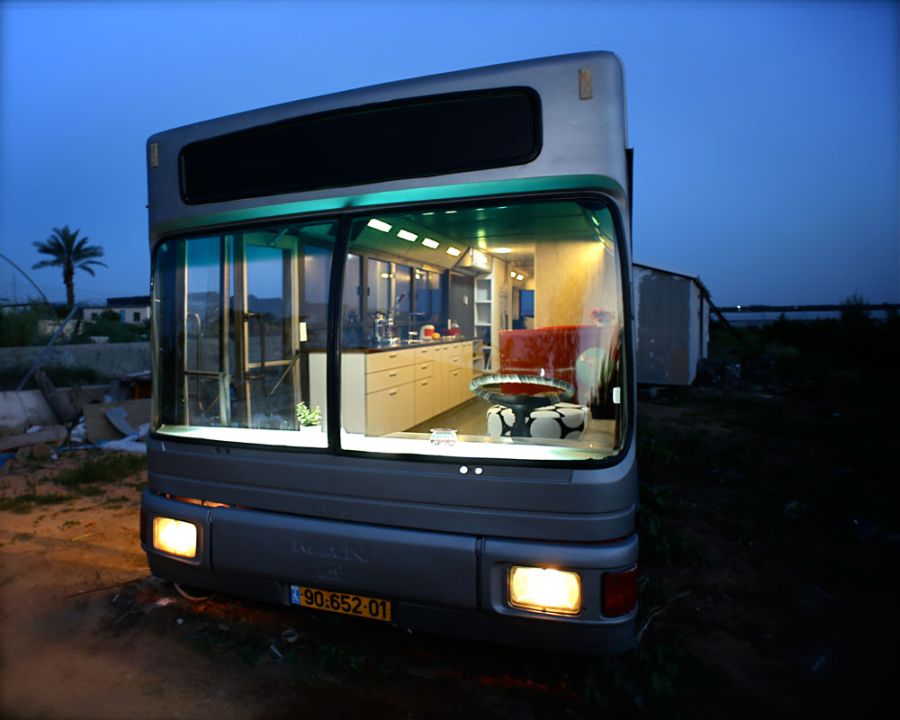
[455,252]
[255,436]
[407,235]
[429,243]
[501,250]
[474,446]
[377,224]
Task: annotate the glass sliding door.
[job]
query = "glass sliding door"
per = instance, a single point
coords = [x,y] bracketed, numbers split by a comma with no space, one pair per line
[241,322]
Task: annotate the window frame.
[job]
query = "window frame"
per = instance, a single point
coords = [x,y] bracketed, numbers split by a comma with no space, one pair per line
[342,246]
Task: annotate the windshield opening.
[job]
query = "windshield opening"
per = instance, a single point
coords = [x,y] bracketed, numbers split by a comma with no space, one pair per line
[483,333]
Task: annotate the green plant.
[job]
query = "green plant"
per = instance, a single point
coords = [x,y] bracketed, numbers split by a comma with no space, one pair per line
[24,504]
[105,469]
[308,416]
[21,327]
[110,326]
[602,404]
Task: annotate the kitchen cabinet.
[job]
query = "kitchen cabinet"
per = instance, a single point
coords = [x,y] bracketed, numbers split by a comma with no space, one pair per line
[393,390]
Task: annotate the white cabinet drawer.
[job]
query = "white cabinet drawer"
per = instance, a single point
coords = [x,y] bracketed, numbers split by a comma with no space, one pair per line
[376,381]
[426,399]
[388,360]
[423,369]
[390,410]
[424,353]
[453,390]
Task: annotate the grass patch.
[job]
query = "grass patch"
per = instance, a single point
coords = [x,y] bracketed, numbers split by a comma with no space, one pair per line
[103,470]
[24,504]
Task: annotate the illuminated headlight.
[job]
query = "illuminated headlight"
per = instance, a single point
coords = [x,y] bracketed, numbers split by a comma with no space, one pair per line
[175,537]
[545,590]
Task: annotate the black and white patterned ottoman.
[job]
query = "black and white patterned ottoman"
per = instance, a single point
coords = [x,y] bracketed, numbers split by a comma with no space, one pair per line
[561,420]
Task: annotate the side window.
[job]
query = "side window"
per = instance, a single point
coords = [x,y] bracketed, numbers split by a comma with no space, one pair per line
[516,356]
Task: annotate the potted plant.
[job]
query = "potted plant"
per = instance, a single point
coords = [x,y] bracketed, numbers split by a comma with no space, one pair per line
[602,405]
[308,417]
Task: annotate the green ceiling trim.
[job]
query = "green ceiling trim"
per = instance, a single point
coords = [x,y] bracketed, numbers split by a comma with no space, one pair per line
[391,197]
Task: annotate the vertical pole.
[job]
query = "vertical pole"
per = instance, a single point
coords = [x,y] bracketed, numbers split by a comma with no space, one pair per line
[225,264]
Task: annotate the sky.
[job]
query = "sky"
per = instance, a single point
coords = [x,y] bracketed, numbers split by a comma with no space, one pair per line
[765,133]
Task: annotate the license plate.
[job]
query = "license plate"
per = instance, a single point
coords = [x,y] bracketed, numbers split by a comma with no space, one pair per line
[343,603]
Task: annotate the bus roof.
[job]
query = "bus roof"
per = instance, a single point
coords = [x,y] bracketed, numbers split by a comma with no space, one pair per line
[580,130]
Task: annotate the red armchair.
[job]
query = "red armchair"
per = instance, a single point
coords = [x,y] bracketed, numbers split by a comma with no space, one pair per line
[553,350]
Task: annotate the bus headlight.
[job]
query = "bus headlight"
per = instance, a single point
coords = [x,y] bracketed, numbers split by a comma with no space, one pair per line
[545,590]
[175,537]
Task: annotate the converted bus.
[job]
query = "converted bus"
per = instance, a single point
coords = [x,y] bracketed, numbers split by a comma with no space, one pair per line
[393,355]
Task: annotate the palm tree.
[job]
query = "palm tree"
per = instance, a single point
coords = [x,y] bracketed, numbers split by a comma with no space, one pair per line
[70,253]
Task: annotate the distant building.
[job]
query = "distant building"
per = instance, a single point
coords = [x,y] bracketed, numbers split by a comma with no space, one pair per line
[672,325]
[134,309]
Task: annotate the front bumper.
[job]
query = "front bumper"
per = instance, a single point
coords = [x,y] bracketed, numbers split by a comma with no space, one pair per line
[438,582]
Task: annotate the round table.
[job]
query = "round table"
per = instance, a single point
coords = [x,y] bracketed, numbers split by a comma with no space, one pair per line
[521,405]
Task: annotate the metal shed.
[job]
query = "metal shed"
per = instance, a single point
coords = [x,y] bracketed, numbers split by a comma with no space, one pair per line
[672,325]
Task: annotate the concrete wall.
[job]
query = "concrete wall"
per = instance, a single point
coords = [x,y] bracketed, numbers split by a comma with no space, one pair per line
[108,359]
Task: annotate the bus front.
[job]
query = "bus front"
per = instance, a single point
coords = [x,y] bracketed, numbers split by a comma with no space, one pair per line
[393,355]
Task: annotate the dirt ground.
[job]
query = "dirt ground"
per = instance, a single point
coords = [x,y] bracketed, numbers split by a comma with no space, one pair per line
[767,587]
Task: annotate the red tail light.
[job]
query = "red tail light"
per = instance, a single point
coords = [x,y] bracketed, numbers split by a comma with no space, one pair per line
[619,592]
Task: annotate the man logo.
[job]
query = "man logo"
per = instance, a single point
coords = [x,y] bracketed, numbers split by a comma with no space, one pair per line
[329,550]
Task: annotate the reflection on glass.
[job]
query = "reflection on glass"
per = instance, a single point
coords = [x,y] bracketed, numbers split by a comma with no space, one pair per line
[241,335]
[549,307]
[240,330]
[352,331]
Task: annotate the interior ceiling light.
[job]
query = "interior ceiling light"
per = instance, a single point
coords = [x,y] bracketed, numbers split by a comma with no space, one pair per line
[429,243]
[520,277]
[407,235]
[512,273]
[449,212]
[377,224]
[502,251]
[455,252]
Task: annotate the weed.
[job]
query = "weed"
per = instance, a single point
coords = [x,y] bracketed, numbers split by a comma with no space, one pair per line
[24,504]
[105,469]
[652,446]
[88,490]
[660,543]
[338,659]
[249,654]
[206,644]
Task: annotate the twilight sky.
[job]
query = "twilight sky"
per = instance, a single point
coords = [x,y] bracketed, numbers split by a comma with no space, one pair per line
[766,133]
